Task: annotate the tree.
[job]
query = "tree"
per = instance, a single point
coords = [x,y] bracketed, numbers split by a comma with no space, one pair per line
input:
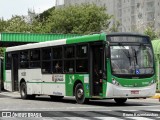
[80,19]
[3,25]
[37,26]
[17,24]
[1,51]
[151,33]
[116,24]
[44,16]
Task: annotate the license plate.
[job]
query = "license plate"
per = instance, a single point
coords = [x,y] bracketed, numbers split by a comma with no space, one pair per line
[135,92]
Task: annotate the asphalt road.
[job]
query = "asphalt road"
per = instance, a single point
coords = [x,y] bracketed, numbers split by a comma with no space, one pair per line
[67,107]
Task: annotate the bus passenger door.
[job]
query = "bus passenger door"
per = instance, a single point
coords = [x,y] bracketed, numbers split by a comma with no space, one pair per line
[14,72]
[96,61]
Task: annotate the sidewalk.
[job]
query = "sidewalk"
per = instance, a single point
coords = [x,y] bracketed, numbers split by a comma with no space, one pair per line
[12,94]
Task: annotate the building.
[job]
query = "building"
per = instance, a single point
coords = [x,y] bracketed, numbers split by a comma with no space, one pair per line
[109,4]
[133,15]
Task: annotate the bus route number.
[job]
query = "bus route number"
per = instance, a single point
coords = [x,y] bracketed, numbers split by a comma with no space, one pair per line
[23,73]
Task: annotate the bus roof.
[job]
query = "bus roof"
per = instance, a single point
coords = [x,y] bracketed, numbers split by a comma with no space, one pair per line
[80,39]
[71,40]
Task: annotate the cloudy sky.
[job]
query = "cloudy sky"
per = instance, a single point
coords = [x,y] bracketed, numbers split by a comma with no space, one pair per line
[20,7]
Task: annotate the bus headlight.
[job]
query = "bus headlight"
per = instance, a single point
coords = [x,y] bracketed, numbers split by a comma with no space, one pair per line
[114,82]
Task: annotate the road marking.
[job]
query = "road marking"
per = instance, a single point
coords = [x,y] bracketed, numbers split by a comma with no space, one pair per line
[108,118]
[139,118]
[154,110]
[61,109]
[105,108]
[76,118]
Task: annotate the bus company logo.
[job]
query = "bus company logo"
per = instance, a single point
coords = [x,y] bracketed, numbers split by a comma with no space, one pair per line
[71,78]
[6,114]
[23,73]
[135,85]
[56,78]
[57,93]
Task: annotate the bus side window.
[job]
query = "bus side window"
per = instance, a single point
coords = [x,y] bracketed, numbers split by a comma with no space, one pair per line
[46,60]
[24,59]
[57,60]
[82,58]
[57,66]
[69,52]
[69,62]
[35,58]
[69,66]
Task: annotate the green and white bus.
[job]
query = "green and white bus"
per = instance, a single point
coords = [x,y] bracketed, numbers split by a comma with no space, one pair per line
[116,66]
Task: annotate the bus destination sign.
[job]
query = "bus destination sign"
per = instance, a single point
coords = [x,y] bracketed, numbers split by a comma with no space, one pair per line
[128,39]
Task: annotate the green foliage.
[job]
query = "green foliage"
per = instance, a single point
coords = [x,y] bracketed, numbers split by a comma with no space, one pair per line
[1,52]
[3,25]
[151,33]
[80,19]
[44,16]
[37,27]
[17,24]
[115,26]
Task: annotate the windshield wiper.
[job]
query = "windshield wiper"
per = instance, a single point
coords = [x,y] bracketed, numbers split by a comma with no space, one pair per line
[135,55]
[126,54]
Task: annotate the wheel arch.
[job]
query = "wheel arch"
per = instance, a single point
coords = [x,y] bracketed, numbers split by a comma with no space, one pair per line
[22,80]
[75,83]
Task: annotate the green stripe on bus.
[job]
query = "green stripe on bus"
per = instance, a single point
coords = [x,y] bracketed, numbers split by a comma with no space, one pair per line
[7,81]
[49,82]
[86,38]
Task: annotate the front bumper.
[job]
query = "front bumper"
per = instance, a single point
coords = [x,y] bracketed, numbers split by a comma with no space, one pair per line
[114,91]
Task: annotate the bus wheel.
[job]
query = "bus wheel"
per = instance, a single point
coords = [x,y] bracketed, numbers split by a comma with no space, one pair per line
[120,100]
[79,94]
[23,90]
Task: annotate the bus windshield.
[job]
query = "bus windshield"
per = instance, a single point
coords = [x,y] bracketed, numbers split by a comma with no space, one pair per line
[132,59]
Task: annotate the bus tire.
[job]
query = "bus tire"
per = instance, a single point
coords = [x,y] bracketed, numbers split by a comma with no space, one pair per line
[23,90]
[79,94]
[120,100]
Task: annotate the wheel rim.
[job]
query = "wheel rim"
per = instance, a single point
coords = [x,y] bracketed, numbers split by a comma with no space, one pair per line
[80,93]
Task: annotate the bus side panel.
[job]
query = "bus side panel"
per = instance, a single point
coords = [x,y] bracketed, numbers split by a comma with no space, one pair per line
[71,80]
[7,82]
[53,84]
[33,79]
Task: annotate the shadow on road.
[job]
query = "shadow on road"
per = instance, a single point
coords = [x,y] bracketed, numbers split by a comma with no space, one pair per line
[106,102]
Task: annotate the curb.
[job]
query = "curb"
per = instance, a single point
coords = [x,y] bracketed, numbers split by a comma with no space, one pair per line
[156,96]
